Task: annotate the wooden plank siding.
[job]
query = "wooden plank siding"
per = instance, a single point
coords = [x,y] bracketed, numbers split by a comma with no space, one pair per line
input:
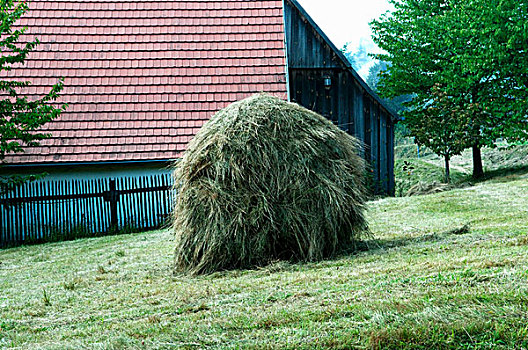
[308,52]
[367,138]
[384,156]
[390,148]
[348,102]
[375,146]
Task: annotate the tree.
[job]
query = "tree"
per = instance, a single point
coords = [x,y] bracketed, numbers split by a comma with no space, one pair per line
[20,116]
[442,125]
[352,57]
[458,56]
[375,72]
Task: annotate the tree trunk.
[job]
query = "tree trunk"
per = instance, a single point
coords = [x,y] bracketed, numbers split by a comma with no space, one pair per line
[447,172]
[478,170]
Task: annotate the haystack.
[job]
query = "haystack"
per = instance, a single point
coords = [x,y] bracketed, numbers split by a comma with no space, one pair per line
[265,180]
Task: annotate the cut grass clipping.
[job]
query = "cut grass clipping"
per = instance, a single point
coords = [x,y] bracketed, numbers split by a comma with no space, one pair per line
[264,180]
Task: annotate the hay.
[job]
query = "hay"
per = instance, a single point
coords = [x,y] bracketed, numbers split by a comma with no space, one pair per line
[263,180]
[423,188]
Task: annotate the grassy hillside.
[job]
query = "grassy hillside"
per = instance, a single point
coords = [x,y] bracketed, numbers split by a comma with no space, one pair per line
[425,177]
[426,282]
[428,173]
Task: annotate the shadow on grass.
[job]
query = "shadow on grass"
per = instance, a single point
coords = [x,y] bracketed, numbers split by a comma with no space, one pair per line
[368,246]
[374,245]
[504,174]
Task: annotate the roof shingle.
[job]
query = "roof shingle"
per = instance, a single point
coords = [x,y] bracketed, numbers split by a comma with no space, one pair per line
[141,77]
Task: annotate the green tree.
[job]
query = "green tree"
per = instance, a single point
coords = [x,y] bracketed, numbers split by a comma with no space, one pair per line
[462,56]
[443,126]
[375,72]
[20,116]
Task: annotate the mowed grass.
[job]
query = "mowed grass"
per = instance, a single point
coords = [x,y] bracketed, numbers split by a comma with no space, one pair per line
[422,284]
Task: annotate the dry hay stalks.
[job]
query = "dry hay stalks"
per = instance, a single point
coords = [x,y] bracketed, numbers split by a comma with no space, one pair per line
[263,180]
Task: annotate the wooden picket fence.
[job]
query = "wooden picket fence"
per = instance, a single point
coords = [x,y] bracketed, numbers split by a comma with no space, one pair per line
[47,211]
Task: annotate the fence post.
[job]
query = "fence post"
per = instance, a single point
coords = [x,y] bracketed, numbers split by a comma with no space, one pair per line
[112,196]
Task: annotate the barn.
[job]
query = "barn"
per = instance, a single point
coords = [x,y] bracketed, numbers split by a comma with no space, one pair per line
[142,77]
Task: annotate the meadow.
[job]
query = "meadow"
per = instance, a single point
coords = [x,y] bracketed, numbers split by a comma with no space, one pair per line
[447,270]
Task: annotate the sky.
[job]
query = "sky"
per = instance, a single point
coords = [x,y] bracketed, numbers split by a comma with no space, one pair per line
[346,21]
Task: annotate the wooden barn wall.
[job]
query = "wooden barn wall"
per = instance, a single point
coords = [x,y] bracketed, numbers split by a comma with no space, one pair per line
[352,110]
[384,154]
[374,149]
[307,88]
[305,49]
[345,102]
[390,165]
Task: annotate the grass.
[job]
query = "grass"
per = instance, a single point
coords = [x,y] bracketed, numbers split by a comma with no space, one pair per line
[421,284]
[428,171]
[423,173]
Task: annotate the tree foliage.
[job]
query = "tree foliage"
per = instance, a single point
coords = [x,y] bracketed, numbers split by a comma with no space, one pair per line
[443,125]
[465,62]
[21,116]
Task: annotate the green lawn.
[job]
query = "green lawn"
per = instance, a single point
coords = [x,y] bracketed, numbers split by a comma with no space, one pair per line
[422,284]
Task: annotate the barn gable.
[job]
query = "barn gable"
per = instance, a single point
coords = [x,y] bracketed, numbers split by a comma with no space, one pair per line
[321,78]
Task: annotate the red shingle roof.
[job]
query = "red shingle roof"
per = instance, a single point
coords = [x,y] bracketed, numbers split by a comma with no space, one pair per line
[141,77]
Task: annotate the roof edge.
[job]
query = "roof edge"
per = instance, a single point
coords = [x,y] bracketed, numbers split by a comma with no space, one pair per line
[340,54]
